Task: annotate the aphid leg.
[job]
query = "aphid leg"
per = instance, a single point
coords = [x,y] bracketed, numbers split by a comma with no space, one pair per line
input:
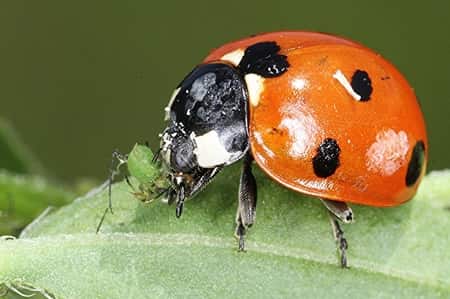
[339,211]
[180,201]
[99,225]
[156,156]
[114,170]
[246,212]
[138,193]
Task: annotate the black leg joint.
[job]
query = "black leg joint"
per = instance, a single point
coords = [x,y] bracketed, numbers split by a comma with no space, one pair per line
[180,202]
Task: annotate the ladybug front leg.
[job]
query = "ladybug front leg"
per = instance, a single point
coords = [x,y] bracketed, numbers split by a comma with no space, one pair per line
[246,212]
[339,211]
[181,196]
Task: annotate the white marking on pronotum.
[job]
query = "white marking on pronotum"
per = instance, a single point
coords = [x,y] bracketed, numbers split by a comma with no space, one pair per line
[388,153]
[172,98]
[234,57]
[255,87]
[338,75]
[209,150]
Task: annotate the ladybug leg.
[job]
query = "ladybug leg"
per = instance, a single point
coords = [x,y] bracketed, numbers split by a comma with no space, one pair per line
[246,212]
[171,196]
[339,211]
[180,201]
[204,180]
[182,192]
[340,240]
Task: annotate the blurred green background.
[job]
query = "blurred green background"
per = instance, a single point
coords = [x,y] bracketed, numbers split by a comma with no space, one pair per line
[80,78]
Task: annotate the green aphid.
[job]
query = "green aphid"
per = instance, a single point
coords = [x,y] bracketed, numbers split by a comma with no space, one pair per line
[143,169]
[148,173]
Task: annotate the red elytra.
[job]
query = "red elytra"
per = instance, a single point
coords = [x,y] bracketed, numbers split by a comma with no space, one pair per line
[298,118]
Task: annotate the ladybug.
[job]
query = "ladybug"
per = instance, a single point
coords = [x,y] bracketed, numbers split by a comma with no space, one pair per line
[320,114]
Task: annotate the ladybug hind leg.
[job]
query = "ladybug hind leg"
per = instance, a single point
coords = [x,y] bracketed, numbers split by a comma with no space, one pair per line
[339,211]
[246,212]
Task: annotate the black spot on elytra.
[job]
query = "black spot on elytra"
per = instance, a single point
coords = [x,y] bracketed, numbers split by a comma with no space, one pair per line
[263,59]
[362,84]
[415,165]
[326,161]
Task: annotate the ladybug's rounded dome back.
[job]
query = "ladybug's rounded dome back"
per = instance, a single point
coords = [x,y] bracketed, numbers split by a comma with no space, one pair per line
[338,121]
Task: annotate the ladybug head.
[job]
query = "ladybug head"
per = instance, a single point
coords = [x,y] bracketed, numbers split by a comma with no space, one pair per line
[207,125]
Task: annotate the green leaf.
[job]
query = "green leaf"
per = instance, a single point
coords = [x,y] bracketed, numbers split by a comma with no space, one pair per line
[15,156]
[143,251]
[23,195]
[23,198]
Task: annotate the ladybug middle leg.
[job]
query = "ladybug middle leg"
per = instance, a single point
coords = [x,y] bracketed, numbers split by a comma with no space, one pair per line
[339,211]
[246,212]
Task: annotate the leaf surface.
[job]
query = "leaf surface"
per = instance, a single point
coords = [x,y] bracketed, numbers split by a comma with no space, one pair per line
[143,251]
